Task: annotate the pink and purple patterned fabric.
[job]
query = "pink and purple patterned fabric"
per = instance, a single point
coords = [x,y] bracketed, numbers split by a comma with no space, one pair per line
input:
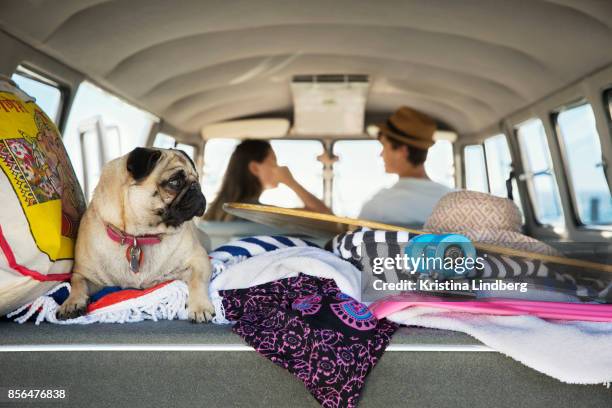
[306,325]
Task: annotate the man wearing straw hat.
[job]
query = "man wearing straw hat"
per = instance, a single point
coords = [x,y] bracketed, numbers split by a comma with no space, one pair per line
[406,137]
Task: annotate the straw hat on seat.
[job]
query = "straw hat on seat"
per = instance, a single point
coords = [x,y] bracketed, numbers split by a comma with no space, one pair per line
[483,218]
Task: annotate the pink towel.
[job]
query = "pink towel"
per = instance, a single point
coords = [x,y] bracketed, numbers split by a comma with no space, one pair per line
[501,307]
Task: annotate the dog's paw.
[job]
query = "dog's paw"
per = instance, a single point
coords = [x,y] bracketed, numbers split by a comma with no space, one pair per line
[72,309]
[200,311]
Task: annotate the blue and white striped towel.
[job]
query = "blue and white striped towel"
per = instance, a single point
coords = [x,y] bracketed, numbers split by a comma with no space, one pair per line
[244,248]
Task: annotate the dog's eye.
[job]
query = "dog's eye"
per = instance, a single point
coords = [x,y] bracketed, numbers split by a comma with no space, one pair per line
[175,183]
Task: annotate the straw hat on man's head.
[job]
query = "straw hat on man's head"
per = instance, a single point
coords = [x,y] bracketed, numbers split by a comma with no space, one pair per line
[410,127]
[483,218]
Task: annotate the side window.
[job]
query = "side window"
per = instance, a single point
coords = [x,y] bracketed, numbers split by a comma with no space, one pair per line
[359,173]
[217,153]
[47,93]
[475,168]
[581,150]
[101,127]
[499,165]
[165,141]
[541,182]
[301,158]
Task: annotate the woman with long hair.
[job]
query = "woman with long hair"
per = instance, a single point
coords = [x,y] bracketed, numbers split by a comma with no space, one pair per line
[252,169]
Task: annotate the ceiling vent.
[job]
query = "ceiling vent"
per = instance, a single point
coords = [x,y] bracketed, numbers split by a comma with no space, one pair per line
[329,104]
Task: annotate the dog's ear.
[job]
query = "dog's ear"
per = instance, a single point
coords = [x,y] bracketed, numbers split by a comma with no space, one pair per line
[141,162]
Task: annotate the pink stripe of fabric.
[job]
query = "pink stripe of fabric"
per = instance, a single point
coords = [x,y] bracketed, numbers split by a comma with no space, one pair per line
[498,306]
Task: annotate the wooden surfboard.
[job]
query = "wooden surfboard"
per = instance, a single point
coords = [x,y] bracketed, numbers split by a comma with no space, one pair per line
[326,225]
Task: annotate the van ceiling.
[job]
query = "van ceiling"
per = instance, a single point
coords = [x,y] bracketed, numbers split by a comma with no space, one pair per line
[468,63]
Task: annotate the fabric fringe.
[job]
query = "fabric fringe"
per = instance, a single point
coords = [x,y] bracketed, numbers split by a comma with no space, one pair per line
[169,302]
[217,302]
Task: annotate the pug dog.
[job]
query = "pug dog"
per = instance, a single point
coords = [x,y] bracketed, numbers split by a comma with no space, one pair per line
[138,231]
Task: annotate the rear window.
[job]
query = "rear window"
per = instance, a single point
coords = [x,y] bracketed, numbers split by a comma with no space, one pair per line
[475,168]
[440,163]
[359,172]
[47,93]
[581,150]
[301,158]
[541,182]
[299,155]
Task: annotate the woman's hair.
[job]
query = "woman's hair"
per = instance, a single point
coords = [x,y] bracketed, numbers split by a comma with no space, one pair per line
[239,184]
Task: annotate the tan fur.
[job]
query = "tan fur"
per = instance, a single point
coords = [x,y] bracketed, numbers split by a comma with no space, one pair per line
[129,206]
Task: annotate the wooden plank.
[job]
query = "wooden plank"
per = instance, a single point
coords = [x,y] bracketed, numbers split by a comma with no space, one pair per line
[327,225]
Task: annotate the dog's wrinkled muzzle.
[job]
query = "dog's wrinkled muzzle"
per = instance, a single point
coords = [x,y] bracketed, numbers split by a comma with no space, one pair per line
[189,203]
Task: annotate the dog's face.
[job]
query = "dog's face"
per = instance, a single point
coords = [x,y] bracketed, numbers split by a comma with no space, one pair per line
[164,189]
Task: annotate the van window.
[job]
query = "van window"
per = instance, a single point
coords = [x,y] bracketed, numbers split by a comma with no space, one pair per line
[440,163]
[305,167]
[187,148]
[475,168]
[217,153]
[301,158]
[499,165]
[47,93]
[108,126]
[359,173]
[541,183]
[582,153]
[164,141]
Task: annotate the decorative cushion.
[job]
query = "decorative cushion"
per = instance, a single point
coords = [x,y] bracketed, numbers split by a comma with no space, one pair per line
[42,202]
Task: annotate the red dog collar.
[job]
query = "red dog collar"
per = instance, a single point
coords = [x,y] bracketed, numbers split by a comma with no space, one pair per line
[133,254]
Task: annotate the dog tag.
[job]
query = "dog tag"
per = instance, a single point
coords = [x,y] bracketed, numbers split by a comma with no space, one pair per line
[134,257]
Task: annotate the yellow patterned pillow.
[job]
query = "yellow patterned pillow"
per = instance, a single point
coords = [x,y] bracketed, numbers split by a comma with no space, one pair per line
[41,200]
